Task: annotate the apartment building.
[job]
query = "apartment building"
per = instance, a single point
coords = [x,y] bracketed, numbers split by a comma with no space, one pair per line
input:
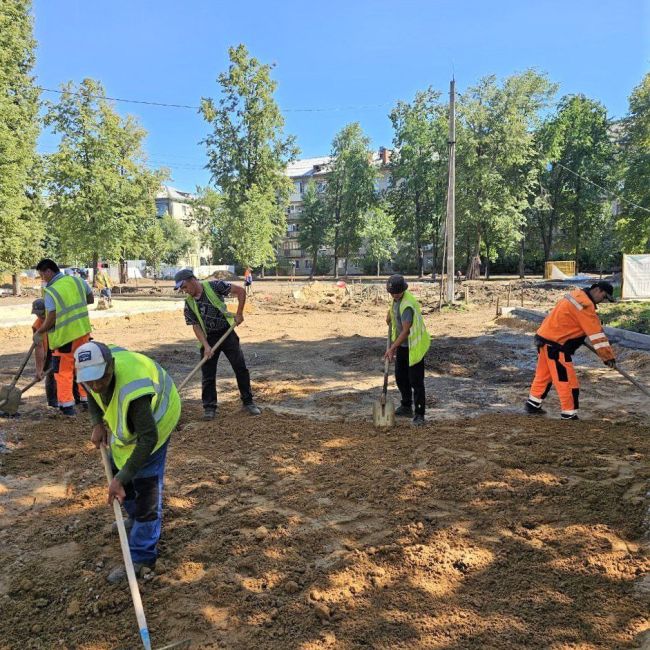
[178,204]
[301,173]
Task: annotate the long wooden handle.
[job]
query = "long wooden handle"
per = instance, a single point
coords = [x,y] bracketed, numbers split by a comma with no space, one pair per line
[23,364]
[198,365]
[633,380]
[126,554]
[35,381]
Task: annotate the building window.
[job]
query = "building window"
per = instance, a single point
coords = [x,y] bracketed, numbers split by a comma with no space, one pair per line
[307,264]
[301,187]
[161,209]
[297,264]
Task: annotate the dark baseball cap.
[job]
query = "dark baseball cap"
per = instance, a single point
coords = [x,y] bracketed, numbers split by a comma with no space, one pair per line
[606,287]
[38,307]
[396,284]
[182,276]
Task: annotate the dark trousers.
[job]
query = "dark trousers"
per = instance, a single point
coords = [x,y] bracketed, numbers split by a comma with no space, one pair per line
[50,382]
[410,381]
[231,348]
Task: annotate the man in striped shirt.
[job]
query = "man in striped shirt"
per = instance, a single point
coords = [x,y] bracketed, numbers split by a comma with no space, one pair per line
[563,331]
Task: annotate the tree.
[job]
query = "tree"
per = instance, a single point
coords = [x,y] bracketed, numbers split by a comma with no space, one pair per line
[156,246]
[379,236]
[98,187]
[247,155]
[419,171]
[19,223]
[634,222]
[495,161]
[350,189]
[315,225]
[579,152]
[179,238]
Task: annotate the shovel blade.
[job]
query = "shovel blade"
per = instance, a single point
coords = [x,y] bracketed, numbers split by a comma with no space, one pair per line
[9,399]
[178,645]
[383,414]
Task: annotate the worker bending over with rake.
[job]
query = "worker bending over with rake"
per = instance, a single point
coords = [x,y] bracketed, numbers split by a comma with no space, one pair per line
[206,312]
[410,342]
[133,398]
[563,331]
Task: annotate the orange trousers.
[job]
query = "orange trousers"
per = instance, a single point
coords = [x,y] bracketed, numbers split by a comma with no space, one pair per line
[63,365]
[555,368]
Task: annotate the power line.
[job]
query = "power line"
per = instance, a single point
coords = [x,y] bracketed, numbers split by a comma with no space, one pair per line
[600,187]
[196,108]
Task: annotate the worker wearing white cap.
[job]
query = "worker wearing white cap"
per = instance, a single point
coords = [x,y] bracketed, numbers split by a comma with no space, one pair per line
[133,398]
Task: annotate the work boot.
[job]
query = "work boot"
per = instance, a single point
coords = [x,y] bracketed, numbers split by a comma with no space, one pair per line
[68,411]
[209,414]
[404,411]
[84,407]
[566,416]
[118,574]
[252,409]
[418,420]
[531,409]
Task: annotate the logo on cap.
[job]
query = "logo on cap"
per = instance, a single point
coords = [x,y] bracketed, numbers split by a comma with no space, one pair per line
[85,355]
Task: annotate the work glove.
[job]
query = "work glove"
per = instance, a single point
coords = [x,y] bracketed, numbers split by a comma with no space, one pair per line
[610,363]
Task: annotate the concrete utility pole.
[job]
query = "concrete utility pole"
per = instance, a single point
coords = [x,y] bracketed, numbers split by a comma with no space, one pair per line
[451,196]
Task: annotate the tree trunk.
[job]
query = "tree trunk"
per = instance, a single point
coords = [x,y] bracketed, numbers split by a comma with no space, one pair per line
[420,261]
[336,252]
[262,272]
[474,266]
[15,284]
[95,264]
[378,264]
[345,268]
[124,272]
[313,265]
[522,250]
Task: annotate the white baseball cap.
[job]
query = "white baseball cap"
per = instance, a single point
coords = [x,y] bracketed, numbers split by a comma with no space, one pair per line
[90,361]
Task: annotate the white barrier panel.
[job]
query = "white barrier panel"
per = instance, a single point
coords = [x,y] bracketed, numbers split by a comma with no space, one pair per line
[636,277]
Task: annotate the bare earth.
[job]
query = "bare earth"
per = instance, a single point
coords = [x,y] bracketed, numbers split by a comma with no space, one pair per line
[307,529]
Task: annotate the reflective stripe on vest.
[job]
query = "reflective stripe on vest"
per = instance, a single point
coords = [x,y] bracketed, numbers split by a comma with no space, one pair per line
[72,321]
[419,339]
[137,375]
[216,302]
[574,302]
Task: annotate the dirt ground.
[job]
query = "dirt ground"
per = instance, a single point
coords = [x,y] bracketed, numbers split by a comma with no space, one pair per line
[307,529]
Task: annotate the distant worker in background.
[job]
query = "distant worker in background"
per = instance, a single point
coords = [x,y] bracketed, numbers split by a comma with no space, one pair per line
[206,312]
[563,331]
[67,326]
[248,280]
[43,355]
[104,284]
[410,342]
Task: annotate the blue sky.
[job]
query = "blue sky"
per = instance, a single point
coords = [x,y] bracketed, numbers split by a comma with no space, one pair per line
[357,57]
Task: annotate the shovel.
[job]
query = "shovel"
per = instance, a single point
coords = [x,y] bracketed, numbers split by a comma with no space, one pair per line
[200,363]
[10,404]
[9,394]
[633,380]
[130,571]
[383,410]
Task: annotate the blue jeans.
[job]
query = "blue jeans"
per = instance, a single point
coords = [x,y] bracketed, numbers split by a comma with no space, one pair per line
[106,293]
[143,504]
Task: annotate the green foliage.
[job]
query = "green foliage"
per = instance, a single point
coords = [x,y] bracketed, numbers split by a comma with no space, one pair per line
[20,224]
[634,223]
[247,156]
[633,316]
[418,191]
[496,160]
[99,190]
[379,237]
[404,262]
[156,246]
[315,224]
[179,238]
[350,189]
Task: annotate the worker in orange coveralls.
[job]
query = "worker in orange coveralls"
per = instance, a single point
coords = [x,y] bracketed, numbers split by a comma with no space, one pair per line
[563,331]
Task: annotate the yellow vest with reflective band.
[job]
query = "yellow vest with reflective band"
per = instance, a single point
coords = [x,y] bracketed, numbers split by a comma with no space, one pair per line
[216,302]
[72,321]
[419,339]
[137,375]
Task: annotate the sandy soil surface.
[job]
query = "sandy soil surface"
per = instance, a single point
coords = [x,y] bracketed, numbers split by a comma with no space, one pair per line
[307,529]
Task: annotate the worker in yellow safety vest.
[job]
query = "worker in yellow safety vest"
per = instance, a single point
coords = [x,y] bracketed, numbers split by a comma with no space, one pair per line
[134,399]
[67,326]
[410,343]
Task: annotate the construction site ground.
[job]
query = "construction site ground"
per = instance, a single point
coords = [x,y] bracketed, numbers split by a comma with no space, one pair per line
[306,528]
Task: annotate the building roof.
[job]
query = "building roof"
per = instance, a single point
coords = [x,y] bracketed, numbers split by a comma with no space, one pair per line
[307,167]
[171,193]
